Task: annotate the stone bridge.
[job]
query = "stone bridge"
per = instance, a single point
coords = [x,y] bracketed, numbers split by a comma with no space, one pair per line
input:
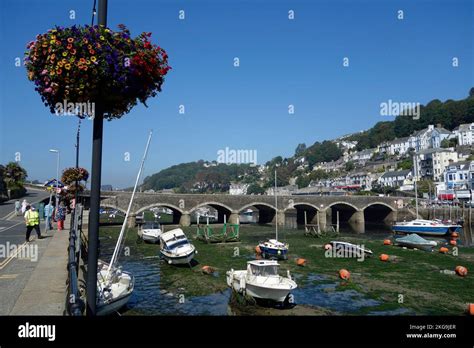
[318,209]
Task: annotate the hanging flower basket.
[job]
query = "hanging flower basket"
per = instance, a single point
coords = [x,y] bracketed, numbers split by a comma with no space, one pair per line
[85,65]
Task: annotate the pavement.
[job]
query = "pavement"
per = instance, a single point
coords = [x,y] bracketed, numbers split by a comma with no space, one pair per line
[32,275]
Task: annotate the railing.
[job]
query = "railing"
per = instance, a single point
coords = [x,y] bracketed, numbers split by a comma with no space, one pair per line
[74,304]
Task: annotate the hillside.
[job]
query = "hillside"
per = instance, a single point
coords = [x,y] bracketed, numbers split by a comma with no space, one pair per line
[203,176]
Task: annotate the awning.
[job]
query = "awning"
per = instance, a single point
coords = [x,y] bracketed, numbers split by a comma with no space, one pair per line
[446,196]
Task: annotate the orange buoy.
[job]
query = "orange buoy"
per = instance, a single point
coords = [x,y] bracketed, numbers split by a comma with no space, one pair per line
[452,242]
[207,269]
[344,274]
[470,308]
[301,262]
[257,250]
[454,234]
[327,246]
[443,250]
[384,257]
[461,270]
[387,242]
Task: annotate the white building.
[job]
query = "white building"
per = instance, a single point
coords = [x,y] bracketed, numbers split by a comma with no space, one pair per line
[398,146]
[433,162]
[396,178]
[428,138]
[465,134]
[238,189]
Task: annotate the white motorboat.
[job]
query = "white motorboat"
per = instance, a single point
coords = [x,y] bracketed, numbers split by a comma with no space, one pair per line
[426,227]
[175,247]
[114,287]
[114,290]
[150,232]
[261,280]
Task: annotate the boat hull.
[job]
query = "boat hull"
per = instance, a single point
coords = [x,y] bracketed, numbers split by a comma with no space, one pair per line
[425,230]
[113,306]
[277,253]
[177,259]
[150,238]
[238,282]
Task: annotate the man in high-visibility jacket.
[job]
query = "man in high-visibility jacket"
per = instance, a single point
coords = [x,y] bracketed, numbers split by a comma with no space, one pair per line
[32,222]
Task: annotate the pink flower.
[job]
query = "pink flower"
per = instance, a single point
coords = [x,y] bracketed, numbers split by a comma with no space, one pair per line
[44,72]
[48,90]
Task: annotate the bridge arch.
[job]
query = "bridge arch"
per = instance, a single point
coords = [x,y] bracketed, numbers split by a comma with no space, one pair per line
[266,212]
[177,212]
[379,212]
[222,209]
[112,206]
[305,212]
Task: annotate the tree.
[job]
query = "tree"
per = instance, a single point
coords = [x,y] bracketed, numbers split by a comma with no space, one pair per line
[349,166]
[14,175]
[445,143]
[405,164]
[300,149]
[255,189]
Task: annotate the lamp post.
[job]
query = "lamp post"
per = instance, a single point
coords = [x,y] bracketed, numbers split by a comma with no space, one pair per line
[93,234]
[57,174]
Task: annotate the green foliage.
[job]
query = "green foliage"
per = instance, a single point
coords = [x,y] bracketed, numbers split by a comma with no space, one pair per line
[322,152]
[349,166]
[196,177]
[449,114]
[405,164]
[14,175]
[255,189]
[449,143]
[300,149]
[425,186]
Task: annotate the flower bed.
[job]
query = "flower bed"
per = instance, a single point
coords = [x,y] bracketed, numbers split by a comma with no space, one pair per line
[93,63]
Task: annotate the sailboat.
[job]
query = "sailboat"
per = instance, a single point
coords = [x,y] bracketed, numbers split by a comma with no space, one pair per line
[421,226]
[273,248]
[115,286]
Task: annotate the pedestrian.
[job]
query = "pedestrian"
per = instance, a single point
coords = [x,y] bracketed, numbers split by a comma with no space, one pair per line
[61,216]
[17,207]
[24,204]
[48,215]
[32,222]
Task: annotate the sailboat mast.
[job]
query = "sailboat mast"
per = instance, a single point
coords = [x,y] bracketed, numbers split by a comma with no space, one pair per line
[276,208]
[416,186]
[122,231]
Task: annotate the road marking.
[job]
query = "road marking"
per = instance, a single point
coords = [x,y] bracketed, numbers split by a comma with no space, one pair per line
[3,229]
[18,250]
[8,276]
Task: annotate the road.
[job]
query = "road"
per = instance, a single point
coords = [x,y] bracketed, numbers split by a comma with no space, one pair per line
[17,259]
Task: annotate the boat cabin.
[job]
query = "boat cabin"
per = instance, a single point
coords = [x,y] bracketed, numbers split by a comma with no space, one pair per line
[149,225]
[263,268]
[173,239]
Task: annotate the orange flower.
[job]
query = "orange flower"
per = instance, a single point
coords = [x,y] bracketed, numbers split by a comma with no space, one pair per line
[70,40]
[91,51]
[69,46]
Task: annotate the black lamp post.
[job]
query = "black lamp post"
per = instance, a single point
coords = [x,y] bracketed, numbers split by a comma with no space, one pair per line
[93,237]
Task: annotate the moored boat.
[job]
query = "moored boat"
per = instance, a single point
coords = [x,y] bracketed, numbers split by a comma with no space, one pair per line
[114,289]
[426,227]
[415,241]
[175,247]
[261,281]
[150,232]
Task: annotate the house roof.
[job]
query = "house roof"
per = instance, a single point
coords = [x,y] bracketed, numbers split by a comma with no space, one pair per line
[397,173]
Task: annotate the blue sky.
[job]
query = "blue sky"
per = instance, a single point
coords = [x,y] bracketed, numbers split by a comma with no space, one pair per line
[282,62]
